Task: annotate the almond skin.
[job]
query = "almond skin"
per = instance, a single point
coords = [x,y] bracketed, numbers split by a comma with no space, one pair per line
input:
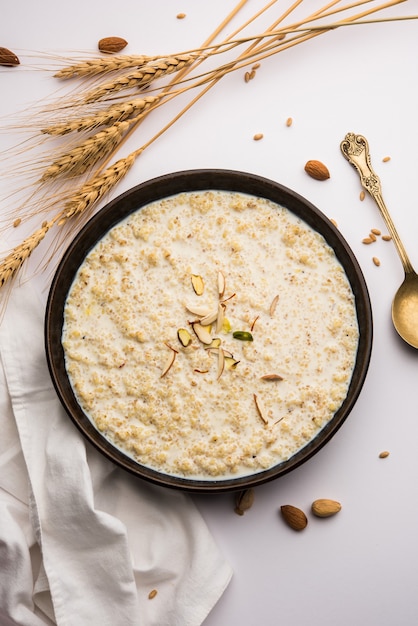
[325,508]
[8,58]
[109,45]
[317,170]
[294,517]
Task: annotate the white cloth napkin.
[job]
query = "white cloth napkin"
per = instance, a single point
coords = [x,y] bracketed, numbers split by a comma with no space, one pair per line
[82,543]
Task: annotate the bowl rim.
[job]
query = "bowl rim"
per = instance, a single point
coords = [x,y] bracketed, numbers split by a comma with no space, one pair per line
[162,187]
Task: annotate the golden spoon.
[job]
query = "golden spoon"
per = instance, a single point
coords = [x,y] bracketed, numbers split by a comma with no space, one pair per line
[355,148]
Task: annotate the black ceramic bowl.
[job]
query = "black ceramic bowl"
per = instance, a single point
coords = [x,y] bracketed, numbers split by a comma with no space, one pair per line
[157,189]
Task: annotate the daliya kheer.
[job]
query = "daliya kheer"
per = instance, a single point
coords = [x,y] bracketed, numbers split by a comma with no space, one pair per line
[210,334]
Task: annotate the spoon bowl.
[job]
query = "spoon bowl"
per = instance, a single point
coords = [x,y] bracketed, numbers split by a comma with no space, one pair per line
[405,310]
[355,148]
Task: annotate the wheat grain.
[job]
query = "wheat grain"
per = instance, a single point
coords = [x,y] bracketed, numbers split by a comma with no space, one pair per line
[81,158]
[94,67]
[142,77]
[115,113]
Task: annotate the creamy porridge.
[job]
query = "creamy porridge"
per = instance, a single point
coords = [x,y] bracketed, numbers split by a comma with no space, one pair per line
[210,335]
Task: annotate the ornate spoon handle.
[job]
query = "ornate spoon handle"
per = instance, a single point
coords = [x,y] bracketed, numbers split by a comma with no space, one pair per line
[355,148]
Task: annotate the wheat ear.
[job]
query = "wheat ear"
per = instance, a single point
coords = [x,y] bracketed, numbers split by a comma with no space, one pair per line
[85,199]
[115,113]
[14,261]
[81,158]
[103,65]
[142,77]
[96,188]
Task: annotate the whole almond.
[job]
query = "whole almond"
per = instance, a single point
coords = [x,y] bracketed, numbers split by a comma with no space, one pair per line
[109,45]
[244,501]
[294,517]
[325,508]
[317,170]
[8,58]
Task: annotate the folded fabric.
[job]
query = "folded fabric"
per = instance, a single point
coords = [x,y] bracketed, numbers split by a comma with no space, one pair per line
[82,542]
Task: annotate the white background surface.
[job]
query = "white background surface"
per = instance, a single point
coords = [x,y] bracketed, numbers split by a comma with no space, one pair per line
[360,567]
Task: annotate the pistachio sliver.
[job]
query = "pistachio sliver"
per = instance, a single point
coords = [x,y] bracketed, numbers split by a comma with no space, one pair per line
[198,284]
[230,362]
[184,337]
[216,342]
[226,325]
[243,335]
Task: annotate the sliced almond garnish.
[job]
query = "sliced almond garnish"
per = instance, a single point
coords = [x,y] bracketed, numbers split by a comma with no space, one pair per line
[171,347]
[260,409]
[170,360]
[198,284]
[184,337]
[254,322]
[198,309]
[271,377]
[215,350]
[221,284]
[221,362]
[209,318]
[273,305]
[229,297]
[202,333]
[220,317]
